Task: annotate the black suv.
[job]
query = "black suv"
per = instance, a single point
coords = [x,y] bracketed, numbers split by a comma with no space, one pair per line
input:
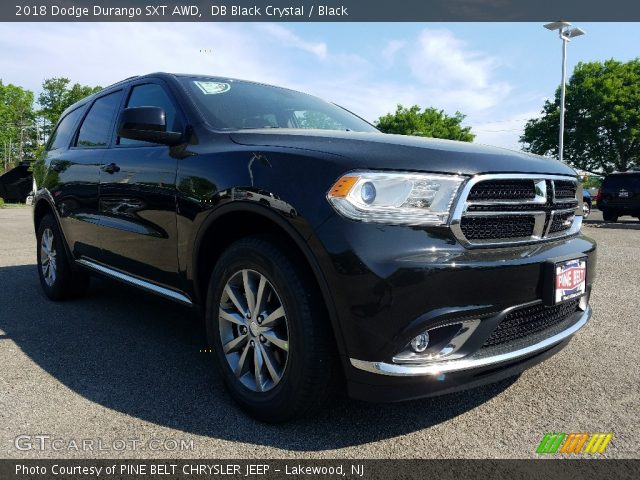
[321,251]
[620,195]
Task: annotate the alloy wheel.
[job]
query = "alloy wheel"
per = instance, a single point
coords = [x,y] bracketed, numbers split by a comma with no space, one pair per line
[254,330]
[48,257]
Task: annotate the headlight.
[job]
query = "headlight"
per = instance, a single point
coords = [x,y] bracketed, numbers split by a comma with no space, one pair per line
[395,198]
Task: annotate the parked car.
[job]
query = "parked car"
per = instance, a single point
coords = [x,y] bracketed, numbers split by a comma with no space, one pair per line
[322,252]
[620,195]
[586,203]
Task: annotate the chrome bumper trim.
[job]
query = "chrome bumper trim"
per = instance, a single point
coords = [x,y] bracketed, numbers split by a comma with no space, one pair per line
[433,368]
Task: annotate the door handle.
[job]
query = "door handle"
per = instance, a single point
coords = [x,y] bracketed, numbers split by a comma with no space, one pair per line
[111,168]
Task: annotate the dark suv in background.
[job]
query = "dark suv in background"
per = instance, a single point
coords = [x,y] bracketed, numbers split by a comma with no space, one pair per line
[620,195]
[321,251]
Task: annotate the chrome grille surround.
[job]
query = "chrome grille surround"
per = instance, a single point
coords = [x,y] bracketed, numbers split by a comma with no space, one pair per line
[553,218]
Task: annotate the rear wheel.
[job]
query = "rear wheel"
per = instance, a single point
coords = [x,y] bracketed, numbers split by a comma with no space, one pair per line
[609,216]
[267,326]
[59,281]
[586,209]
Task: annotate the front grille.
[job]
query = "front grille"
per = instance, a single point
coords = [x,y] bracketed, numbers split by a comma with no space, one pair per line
[561,221]
[565,189]
[503,190]
[529,321]
[486,228]
[504,209]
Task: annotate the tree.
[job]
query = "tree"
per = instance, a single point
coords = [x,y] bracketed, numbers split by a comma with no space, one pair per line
[602,118]
[17,132]
[312,119]
[428,123]
[56,97]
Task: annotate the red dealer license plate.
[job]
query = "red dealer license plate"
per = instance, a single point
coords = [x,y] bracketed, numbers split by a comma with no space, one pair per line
[570,279]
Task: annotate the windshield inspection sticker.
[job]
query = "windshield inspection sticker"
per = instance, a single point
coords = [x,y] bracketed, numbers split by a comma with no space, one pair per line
[212,88]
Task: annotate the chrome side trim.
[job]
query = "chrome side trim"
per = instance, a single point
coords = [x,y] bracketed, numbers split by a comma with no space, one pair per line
[136,282]
[436,368]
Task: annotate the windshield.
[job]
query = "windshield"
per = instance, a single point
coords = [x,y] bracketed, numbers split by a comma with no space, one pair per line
[237,105]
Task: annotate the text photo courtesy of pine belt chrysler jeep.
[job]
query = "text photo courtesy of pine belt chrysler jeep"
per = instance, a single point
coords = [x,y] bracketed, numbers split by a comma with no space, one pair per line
[322,252]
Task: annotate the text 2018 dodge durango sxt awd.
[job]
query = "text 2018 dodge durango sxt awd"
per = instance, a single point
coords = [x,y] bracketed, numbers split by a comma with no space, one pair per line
[320,250]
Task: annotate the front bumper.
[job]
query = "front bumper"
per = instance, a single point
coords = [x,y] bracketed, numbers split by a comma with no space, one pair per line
[480,359]
[389,284]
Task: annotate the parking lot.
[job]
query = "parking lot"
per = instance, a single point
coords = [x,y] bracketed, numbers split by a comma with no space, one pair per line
[121,365]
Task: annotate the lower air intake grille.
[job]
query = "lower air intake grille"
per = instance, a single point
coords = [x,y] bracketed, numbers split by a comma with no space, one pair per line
[530,320]
[493,227]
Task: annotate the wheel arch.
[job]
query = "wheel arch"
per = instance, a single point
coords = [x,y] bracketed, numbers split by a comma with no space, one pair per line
[42,208]
[241,219]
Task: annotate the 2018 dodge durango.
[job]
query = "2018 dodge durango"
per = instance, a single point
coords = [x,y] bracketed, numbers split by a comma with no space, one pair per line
[321,251]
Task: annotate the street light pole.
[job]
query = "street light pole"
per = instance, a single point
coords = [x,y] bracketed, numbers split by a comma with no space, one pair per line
[566,34]
[563,89]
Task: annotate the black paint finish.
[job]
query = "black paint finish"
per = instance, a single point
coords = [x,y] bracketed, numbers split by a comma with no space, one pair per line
[159,213]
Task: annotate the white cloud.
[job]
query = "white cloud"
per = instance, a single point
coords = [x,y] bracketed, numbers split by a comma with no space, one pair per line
[391,49]
[446,65]
[289,39]
[434,68]
[100,54]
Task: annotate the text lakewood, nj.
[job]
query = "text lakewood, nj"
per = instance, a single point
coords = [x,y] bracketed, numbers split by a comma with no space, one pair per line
[174,11]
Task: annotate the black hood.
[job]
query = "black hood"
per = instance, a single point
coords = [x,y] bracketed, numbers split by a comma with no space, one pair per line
[399,152]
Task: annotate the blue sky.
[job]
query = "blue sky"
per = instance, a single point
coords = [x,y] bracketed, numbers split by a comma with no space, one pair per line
[497,73]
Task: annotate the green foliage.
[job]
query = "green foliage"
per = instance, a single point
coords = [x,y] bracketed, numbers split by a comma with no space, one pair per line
[37,166]
[23,128]
[427,123]
[1,202]
[57,96]
[602,118]
[592,181]
[17,129]
[318,120]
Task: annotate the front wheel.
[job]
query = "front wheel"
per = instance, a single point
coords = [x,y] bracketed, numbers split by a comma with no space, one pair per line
[270,332]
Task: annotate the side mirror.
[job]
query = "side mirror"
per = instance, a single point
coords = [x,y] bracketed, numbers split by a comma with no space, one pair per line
[147,124]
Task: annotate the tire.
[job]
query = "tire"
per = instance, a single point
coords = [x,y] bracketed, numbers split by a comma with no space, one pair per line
[296,356]
[586,209]
[58,279]
[609,216]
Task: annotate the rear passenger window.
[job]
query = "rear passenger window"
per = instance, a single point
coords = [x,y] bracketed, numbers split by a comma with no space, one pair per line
[96,128]
[153,95]
[61,137]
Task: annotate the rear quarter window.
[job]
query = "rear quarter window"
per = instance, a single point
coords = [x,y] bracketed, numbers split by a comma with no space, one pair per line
[61,136]
[95,131]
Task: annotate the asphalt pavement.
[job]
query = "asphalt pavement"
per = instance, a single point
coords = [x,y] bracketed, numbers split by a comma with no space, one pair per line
[120,368]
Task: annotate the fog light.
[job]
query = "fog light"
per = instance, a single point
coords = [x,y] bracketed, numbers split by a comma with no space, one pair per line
[420,343]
